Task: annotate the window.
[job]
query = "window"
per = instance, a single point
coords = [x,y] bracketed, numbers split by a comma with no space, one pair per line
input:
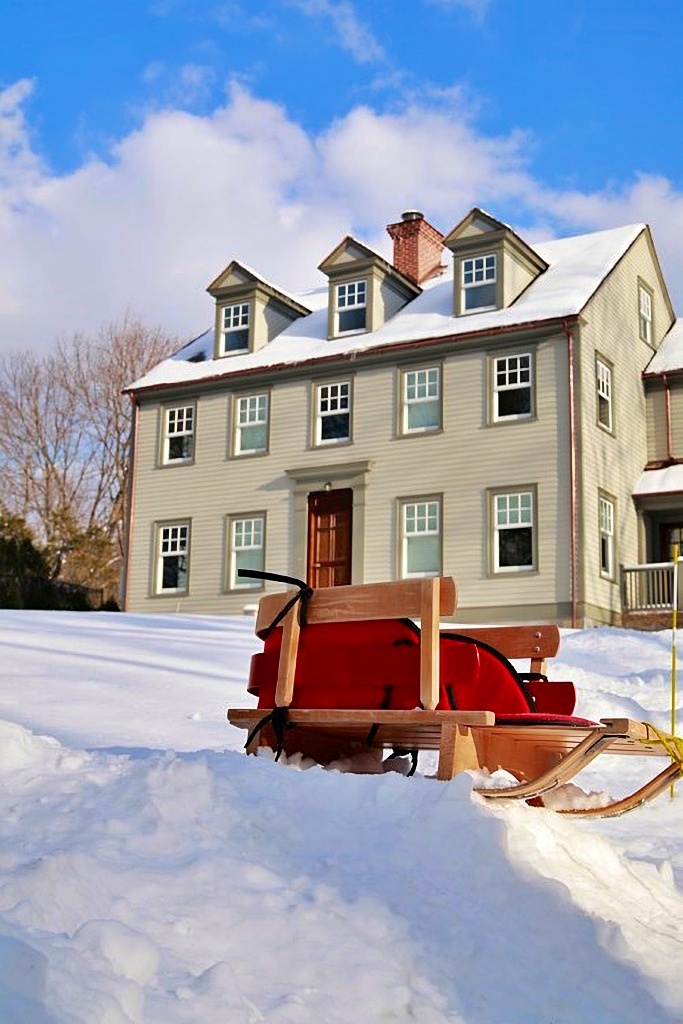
[421,538]
[604,389]
[351,307]
[235,328]
[246,545]
[513,545]
[512,387]
[173,551]
[179,434]
[333,415]
[645,313]
[251,424]
[479,275]
[606,515]
[421,400]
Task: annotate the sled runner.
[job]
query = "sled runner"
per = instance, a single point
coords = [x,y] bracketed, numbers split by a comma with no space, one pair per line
[345,669]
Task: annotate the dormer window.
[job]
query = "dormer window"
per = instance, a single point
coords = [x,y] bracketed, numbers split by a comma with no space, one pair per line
[235,328]
[479,276]
[352,307]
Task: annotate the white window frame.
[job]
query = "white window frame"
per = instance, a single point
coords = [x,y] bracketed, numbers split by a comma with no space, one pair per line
[246,533]
[172,542]
[179,422]
[477,272]
[603,382]
[235,318]
[513,367]
[420,518]
[518,508]
[606,521]
[337,395]
[645,313]
[251,411]
[350,296]
[420,387]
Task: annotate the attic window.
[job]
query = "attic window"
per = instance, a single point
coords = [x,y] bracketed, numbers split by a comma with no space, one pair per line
[351,307]
[235,328]
[479,276]
[645,313]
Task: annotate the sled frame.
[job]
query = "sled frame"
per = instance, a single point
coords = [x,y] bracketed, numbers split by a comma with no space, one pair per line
[543,756]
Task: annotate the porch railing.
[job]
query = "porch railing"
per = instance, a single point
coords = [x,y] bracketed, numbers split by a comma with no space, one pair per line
[648,588]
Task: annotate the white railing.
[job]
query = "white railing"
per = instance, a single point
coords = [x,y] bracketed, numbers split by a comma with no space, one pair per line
[646,588]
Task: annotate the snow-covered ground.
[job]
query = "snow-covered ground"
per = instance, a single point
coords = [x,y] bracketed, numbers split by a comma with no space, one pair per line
[151,873]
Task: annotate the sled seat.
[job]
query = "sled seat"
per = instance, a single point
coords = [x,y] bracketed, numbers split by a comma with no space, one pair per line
[542,748]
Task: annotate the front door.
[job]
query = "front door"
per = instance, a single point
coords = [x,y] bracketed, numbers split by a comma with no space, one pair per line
[670,534]
[330,517]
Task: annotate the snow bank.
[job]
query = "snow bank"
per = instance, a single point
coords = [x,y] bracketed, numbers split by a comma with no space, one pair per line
[142,883]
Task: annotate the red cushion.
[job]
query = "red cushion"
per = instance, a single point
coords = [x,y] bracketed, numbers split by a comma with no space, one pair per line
[538,719]
[376,664]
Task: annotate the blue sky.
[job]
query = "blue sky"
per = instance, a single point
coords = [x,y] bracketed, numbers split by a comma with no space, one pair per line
[145,144]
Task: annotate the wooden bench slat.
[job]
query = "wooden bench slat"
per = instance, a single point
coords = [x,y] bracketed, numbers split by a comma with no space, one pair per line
[516,641]
[358,602]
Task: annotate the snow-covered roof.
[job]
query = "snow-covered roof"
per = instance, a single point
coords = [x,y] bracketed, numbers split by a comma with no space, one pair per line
[660,481]
[669,355]
[576,267]
[261,280]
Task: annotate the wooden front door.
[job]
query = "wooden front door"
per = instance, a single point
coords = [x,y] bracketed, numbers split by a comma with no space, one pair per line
[330,517]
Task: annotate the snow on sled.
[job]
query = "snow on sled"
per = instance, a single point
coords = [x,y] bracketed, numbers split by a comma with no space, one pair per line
[345,669]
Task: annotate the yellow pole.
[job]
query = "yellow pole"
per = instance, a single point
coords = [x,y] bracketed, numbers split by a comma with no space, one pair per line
[674,626]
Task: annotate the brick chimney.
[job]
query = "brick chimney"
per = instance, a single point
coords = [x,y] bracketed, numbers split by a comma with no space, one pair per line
[417,246]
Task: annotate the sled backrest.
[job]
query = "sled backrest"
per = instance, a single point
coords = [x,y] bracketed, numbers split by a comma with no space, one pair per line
[426,599]
[537,643]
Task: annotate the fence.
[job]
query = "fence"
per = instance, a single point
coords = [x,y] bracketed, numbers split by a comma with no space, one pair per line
[648,588]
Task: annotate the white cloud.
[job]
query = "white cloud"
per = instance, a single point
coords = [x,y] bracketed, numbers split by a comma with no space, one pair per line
[19,165]
[477,8]
[147,229]
[353,35]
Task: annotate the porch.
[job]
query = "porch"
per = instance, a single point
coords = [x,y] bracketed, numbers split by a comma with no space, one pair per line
[647,595]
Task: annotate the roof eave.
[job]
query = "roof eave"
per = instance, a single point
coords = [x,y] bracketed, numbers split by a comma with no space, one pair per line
[354,355]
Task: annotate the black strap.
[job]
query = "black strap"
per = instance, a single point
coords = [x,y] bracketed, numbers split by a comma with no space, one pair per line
[402,752]
[530,677]
[278,718]
[304,594]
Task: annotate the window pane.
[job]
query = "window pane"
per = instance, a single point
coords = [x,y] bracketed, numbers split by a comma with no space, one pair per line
[334,419]
[173,546]
[180,447]
[421,536]
[253,439]
[174,573]
[247,550]
[352,319]
[179,440]
[515,547]
[514,402]
[423,415]
[252,424]
[236,340]
[250,559]
[423,555]
[480,296]
[334,427]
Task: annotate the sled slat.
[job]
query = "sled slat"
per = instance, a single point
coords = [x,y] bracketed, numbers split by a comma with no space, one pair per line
[429,643]
[358,602]
[291,629]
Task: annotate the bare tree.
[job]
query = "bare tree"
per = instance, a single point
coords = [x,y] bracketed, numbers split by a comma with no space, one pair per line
[64,443]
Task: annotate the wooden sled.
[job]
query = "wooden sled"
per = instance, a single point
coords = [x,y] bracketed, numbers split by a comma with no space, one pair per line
[541,749]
